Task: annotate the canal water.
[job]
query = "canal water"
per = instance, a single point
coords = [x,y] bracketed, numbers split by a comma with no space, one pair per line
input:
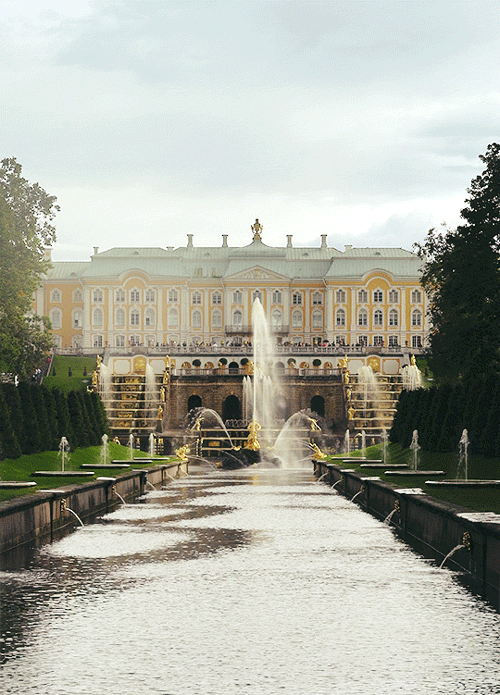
[253,581]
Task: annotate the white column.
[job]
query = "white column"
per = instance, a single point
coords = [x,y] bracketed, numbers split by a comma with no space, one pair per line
[184,320]
[86,317]
[330,325]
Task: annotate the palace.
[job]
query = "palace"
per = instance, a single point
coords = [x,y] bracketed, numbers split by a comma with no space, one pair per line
[192,296]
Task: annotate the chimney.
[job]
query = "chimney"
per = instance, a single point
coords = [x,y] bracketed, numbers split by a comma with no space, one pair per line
[47,253]
[289,240]
[347,247]
[224,240]
[96,250]
[190,241]
[323,241]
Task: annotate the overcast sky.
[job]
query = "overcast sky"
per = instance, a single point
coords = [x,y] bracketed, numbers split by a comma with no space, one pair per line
[149,120]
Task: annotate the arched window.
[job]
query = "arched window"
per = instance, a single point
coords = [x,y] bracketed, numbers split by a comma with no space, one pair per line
[150,295]
[217,297]
[173,296]
[393,297]
[97,296]
[362,296]
[416,341]
[277,319]
[317,319]
[55,296]
[173,318]
[378,340]
[135,317]
[194,401]
[257,294]
[97,317]
[393,317]
[135,295]
[216,319]
[297,298]
[416,297]
[277,297]
[378,318]
[297,319]
[77,318]
[231,408]
[393,341]
[237,318]
[56,318]
[120,317]
[120,296]
[196,298]
[97,341]
[317,298]
[318,405]
[340,296]
[237,297]
[196,319]
[416,318]
[119,341]
[149,317]
[378,296]
[78,296]
[340,317]
[362,317]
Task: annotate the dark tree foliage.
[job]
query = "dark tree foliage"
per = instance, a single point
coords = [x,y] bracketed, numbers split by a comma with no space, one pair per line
[30,439]
[100,412]
[52,425]
[79,428]
[64,427]
[461,275]
[9,445]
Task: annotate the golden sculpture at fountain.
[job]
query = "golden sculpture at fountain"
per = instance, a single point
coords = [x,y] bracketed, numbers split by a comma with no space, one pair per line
[183,453]
[318,455]
[252,442]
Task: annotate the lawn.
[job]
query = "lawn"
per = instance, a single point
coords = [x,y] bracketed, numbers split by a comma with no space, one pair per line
[68,373]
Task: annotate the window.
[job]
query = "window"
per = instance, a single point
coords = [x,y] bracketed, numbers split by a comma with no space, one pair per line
[416,341]
[237,318]
[196,319]
[97,296]
[119,341]
[416,318]
[120,296]
[257,294]
[150,296]
[97,317]
[78,296]
[149,317]
[297,298]
[340,297]
[363,340]
[77,319]
[56,318]
[378,340]
[317,319]
[297,319]
[362,296]
[173,296]
[393,341]
[393,317]
[97,341]
[217,319]
[277,297]
[340,317]
[416,297]
[277,319]
[55,296]
[317,298]
[120,317]
[393,297]
[196,298]
[134,295]
[135,318]
[216,298]
[362,317]
[378,296]
[237,297]
[340,339]
[173,318]
[378,318]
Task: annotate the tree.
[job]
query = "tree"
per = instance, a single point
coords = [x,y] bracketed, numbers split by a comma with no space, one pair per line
[26,215]
[461,276]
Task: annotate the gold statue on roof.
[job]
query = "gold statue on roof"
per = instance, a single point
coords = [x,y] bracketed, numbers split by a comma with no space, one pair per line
[257,230]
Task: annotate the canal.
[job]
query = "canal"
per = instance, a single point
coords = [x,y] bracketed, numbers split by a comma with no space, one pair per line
[253,581]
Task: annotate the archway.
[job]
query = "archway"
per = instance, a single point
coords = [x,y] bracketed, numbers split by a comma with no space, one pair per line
[194,401]
[233,367]
[318,405]
[231,408]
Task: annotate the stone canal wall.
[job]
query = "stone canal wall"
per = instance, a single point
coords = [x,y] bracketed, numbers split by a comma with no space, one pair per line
[431,526]
[44,516]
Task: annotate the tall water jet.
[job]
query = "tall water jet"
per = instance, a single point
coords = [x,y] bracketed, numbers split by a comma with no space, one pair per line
[463,455]
[151,447]
[105,381]
[64,452]
[247,398]
[104,458]
[131,440]
[150,393]
[412,376]
[347,443]
[415,447]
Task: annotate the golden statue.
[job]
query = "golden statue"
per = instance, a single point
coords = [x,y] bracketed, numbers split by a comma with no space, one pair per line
[160,412]
[318,454]
[99,360]
[94,378]
[314,424]
[197,424]
[249,367]
[351,412]
[346,376]
[348,394]
[182,453]
[252,442]
[413,361]
[167,362]
[162,394]
[256,229]
[342,364]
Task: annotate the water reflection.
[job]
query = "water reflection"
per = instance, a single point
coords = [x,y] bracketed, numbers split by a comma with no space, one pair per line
[258,582]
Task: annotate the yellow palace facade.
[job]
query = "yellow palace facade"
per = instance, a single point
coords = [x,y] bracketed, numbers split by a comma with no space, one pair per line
[193,295]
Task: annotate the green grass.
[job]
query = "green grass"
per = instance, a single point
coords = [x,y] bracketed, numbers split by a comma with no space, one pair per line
[480,467]
[22,468]
[78,381]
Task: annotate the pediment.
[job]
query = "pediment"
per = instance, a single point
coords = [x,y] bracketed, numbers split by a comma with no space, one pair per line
[257,272]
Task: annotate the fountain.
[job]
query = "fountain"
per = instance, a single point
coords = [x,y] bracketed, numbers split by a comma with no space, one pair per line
[151,447]
[463,465]
[464,545]
[411,376]
[65,508]
[64,452]
[415,447]
[131,440]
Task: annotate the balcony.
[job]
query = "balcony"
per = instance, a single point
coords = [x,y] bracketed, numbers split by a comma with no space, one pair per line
[247,330]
